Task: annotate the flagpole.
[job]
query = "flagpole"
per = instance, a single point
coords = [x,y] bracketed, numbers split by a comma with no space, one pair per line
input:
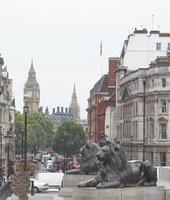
[101,58]
[101,65]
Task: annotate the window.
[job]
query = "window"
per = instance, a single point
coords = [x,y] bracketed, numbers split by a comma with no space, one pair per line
[152,83]
[163,131]
[163,82]
[163,158]
[163,106]
[151,157]
[168,47]
[152,131]
[158,46]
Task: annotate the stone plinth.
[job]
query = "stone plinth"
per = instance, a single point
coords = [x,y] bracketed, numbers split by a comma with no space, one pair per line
[131,193]
[70,181]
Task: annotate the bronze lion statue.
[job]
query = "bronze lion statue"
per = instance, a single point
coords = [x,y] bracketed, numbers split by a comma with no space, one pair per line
[115,171]
[88,162]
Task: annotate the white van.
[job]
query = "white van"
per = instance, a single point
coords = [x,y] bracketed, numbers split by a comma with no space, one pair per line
[53,179]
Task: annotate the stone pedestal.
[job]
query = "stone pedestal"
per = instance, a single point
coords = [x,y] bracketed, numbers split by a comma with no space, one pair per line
[70,181]
[131,193]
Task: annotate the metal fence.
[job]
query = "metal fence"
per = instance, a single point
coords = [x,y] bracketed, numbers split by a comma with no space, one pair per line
[5,191]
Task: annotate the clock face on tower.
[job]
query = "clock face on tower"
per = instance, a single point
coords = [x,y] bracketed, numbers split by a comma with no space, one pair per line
[28,94]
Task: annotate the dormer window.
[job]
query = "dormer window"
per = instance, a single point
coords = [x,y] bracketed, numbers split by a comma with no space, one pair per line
[158,46]
[163,82]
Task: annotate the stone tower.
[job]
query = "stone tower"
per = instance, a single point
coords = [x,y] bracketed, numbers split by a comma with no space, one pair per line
[75,110]
[32,91]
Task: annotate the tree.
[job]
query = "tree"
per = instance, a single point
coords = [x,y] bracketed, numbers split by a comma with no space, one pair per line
[19,128]
[39,132]
[72,134]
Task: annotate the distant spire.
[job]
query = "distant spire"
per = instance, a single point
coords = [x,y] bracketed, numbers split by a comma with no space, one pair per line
[74,105]
[31,75]
[32,70]
[74,96]
[74,88]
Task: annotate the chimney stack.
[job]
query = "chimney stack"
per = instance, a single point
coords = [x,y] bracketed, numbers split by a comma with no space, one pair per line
[58,109]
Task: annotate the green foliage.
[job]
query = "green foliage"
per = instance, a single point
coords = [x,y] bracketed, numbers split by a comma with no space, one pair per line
[39,132]
[19,128]
[72,134]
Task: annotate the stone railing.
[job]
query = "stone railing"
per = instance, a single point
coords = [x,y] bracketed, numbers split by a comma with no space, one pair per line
[5,191]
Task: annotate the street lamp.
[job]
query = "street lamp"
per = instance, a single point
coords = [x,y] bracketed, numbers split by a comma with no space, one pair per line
[144,102]
[131,137]
[65,135]
[25,109]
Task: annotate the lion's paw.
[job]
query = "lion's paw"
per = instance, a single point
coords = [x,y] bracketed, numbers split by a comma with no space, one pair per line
[101,185]
[82,184]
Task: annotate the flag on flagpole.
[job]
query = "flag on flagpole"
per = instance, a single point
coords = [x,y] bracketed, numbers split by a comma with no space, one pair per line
[101,48]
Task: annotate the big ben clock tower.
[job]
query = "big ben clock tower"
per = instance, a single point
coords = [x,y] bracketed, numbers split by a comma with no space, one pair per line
[32,91]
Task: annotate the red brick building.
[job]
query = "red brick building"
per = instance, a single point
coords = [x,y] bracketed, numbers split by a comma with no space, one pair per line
[102,95]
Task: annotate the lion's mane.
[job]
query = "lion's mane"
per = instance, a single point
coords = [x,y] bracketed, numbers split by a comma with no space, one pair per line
[89,161]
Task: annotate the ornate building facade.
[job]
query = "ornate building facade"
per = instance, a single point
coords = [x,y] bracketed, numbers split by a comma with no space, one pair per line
[67,114]
[59,116]
[32,91]
[75,109]
[143,112]
[142,97]
[7,120]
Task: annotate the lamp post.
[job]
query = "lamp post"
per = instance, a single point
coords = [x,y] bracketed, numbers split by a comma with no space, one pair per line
[131,137]
[144,102]
[65,135]
[25,109]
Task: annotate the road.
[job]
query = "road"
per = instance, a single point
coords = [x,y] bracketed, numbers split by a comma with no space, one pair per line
[46,196]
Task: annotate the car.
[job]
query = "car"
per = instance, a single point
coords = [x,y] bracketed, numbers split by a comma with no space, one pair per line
[45,158]
[49,164]
[39,186]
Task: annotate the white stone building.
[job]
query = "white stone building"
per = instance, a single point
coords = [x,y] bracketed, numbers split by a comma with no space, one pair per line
[142,47]
[142,97]
[143,112]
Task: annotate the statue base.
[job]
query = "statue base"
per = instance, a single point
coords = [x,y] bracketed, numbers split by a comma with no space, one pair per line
[70,181]
[130,193]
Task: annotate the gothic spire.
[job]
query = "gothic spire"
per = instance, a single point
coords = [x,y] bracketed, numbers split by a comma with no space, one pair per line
[31,75]
[74,105]
[74,95]
[32,70]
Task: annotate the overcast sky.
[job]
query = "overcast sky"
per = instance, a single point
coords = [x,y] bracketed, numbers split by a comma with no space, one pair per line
[63,38]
